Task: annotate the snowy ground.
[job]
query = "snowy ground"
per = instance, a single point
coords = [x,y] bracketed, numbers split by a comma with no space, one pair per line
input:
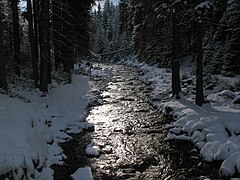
[32,125]
[214,128]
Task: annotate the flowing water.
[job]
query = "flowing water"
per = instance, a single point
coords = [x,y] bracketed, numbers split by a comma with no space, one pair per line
[130,134]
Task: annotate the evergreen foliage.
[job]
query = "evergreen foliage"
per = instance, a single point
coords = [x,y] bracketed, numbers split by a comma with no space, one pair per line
[109,25]
[58,32]
[205,31]
[151,36]
[3,78]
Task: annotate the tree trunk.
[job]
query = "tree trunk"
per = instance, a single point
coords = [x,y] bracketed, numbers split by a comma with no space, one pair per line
[176,87]
[49,63]
[56,32]
[44,45]
[199,73]
[32,43]
[16,35]
[3,78]
[35,24]
[65,31]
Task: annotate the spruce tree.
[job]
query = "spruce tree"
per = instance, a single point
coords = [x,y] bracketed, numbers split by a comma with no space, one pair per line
[16,35]
[3,78]
[44,45]
[32,39]
[231,21]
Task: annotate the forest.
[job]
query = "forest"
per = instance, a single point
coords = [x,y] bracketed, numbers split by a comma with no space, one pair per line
[169,33]
[61,59]
[43,38]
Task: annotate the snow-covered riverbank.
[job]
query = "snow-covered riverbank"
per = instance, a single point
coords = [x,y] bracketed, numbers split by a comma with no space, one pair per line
[214,128]
[33,124]
[30,131]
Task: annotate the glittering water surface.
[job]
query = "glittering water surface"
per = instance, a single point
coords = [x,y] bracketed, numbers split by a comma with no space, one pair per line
[122,120]
[130,134]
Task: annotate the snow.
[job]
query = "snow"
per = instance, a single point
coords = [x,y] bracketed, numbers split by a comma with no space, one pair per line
[92,150]
[206,5]
[33,124]
[115,2]
[214,128]
[84,173]
[30,132]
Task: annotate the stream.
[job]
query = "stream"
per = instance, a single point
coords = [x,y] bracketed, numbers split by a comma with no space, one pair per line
[130,134]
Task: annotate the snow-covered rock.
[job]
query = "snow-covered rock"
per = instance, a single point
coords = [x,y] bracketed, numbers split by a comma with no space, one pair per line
[84,173]
[93,151]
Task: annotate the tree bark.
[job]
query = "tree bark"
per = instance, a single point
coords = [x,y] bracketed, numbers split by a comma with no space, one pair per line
[65,49]
[199,83]
[44,45]
[32,43]
[176,87]
[56,32]
[16,35]
[35,4]
[48,49]
[3,78]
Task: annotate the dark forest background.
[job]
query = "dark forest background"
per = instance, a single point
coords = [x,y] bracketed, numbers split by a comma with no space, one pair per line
[47,36]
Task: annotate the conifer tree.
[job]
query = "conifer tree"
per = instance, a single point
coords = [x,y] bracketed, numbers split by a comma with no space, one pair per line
[176,87]
[44,45]
[123,22]
[3,78]
[16,35]
[231,22]
[105,24]
[32,39]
